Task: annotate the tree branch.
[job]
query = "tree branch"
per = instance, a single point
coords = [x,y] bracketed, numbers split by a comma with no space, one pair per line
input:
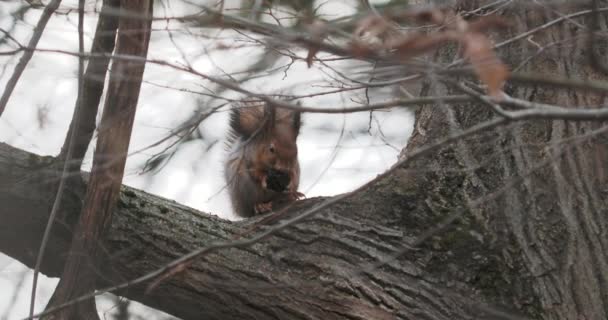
[27,55]
[85,112]
[103,189]
[66,163]
[303,270]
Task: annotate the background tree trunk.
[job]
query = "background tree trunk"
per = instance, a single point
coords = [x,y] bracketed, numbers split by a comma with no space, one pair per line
[549,225]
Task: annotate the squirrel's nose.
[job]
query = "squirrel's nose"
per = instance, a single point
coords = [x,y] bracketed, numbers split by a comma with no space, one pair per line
[277,180]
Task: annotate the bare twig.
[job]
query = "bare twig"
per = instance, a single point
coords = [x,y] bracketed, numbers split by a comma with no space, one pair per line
[27,55]
[65,172]
[596,58]
[524,35]
[85,112]
[480,97]
[90,87]
[17,290]
[105,181]
[566,114]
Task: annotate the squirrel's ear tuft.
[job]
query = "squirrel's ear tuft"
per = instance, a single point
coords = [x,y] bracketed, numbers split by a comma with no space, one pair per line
[270,116]
[296,118]
[297,122]
[247,118]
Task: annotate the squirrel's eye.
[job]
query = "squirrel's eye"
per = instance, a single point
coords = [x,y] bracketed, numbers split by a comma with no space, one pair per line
[271,148]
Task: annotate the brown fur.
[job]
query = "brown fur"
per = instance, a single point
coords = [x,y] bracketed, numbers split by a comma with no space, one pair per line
[262,140]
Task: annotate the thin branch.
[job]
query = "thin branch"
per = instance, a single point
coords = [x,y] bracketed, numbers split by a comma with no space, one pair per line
[571,114]
[27,55]
[534,110]
[596,58]
[85,112]
[481,98]
[524,35]
[104,184]
[73,151]
[551,80]
[12,303]
[586,84]
[65,172]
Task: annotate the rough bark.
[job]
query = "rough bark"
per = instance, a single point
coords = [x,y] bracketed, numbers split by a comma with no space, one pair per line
[309,271]
[550,222]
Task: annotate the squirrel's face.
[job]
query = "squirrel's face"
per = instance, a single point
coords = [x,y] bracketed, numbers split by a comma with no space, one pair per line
[277,162]
[278,153]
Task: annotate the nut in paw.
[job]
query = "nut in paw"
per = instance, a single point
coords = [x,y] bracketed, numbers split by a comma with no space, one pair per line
[277,180]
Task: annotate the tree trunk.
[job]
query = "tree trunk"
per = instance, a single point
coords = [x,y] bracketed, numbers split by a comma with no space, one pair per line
[530,198]
[537,188]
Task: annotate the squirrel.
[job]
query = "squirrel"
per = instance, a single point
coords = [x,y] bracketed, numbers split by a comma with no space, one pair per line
[262,169]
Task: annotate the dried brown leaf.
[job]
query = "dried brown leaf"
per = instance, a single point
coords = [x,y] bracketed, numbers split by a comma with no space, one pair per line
[413,45]
[369,35]
[478,49]
[318,32]
[372,26]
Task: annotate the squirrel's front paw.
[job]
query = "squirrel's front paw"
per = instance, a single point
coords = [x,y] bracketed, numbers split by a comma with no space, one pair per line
[262,207]
[296,195]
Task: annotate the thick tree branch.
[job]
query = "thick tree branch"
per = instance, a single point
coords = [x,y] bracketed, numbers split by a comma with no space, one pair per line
[307,269]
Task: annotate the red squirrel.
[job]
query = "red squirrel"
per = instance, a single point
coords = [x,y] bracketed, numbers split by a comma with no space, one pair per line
[262,169]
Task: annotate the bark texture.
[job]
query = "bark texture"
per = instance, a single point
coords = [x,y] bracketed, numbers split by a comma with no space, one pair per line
[537,188]
[310,271]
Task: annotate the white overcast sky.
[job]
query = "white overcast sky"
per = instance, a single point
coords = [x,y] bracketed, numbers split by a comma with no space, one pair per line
[332,160]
